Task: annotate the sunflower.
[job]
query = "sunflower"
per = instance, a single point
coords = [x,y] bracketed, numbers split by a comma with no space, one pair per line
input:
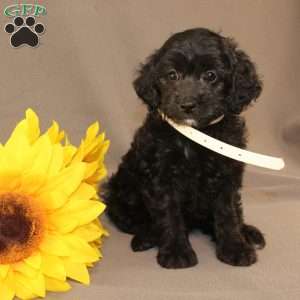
[49,208]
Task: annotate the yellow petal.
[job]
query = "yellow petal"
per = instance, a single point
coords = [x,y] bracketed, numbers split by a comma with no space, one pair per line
[88,150]
[92,131]
[98,153]
[18,136]
[77,272]
[69,152]
[6,292]
[96,244]
[23,292]
[43,149]
[80,250]
[56,193]
[69,178]
[95,247]
[62,223]
[4,271]
[52,266]
[104,148]
[83,211]
[30,183]
[61,218]
[9,182]
[61,135]
[38,285]
[78,199]
[97,177]
[57,160]
[56,285]
[91,211]
[89,232]
[84,192]
[17,150]
[25,269]
[91,169]
[17,147]
[31,287]
[37,170]
[54,244]
[58,217]
[33,125]
[34,260]
[79,155]
[98,223]
[7,286]
[54,134]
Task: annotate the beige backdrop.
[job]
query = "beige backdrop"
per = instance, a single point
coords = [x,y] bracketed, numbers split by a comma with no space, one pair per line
[82,72]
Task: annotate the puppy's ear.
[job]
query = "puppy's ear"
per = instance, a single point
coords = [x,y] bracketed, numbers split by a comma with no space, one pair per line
[246,85]
[145,84]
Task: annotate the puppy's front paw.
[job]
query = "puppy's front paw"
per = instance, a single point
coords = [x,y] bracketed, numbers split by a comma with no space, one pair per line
[177,257]
[236,253]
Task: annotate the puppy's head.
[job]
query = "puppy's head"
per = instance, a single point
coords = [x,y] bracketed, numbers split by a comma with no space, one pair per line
[196,77]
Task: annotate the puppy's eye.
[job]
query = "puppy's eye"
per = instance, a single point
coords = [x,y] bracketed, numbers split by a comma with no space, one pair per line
[210,76]
[173,75]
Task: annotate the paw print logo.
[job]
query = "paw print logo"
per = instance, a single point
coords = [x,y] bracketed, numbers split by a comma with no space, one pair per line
[24,32]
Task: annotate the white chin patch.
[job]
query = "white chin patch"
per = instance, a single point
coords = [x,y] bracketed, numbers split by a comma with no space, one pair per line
[190,122]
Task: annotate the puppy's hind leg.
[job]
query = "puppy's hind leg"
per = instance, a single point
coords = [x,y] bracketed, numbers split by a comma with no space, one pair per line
[145,239]
[123,207]
[253,236]
[121,220]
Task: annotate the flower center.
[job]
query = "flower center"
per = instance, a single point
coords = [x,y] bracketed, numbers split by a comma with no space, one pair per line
[21,227]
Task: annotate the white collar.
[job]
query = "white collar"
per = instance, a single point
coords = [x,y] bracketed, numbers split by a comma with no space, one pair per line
[264,161]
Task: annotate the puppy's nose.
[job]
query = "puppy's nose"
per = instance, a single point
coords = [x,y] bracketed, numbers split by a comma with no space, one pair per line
[188,106]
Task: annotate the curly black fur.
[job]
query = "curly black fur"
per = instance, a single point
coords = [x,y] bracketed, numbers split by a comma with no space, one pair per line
[167,185]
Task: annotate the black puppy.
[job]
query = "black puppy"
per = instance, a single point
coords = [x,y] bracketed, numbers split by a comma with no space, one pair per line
[166,184]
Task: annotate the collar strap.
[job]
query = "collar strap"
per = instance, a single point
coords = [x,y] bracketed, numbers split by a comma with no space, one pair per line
[248,157]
